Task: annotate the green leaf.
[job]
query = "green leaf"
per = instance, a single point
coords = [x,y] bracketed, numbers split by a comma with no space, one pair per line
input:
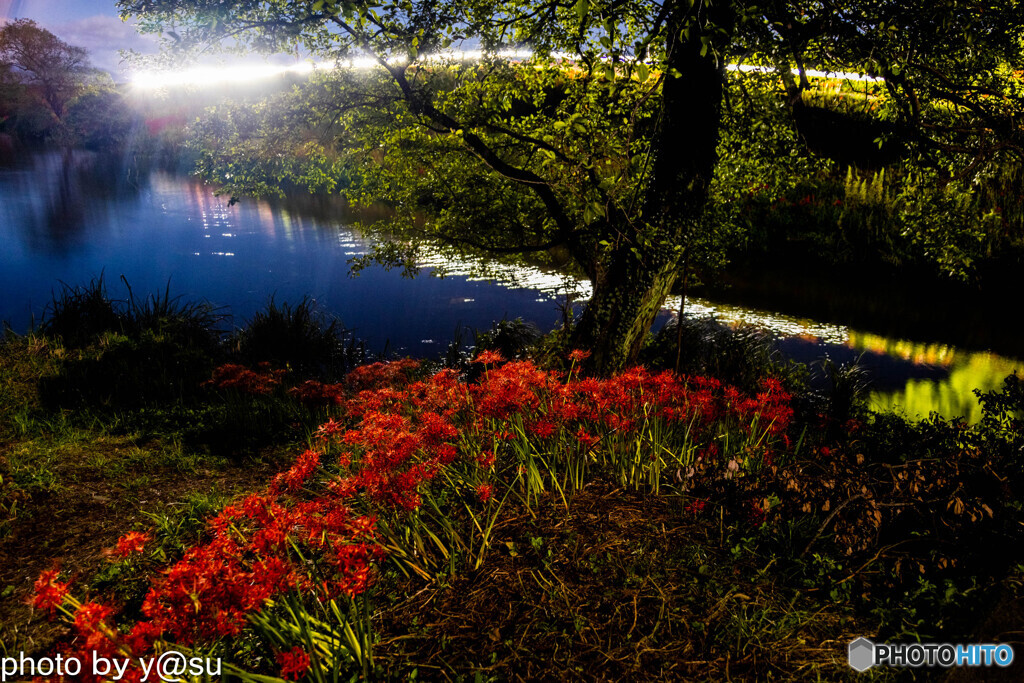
[582,7]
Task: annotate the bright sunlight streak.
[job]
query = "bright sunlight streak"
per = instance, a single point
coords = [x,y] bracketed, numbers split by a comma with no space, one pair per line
[204,76]
[248,72]
[213,75]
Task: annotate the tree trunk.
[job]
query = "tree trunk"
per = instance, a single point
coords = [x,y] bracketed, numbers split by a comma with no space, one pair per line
[686,142]
[625,302]
[629,293]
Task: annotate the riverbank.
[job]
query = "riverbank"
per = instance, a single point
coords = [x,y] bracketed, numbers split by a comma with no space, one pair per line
[491,520]
[70,219]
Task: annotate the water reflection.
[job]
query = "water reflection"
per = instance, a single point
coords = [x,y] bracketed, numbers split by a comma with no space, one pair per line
[915,378]
[951,391]
[56,200]
[70,217]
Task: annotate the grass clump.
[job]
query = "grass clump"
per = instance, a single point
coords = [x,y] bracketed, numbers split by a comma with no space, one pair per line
[127,353]
[300,338]
[147,363]
[191,324]
[77,315]
[742,356]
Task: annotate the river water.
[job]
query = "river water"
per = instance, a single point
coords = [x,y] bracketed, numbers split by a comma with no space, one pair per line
[69,218]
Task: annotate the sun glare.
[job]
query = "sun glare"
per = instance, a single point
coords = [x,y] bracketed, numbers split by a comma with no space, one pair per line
[813,73]
[205,76]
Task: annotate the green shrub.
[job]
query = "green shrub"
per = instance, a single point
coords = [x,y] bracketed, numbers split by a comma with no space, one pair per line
[510,338]
[78,315]
[299,338]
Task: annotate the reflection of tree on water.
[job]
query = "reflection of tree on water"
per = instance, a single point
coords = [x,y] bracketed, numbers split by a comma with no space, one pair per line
[943,378]
[954,395]
[63,191]
[7,152]
[65,216]
[887,373]
[917,377]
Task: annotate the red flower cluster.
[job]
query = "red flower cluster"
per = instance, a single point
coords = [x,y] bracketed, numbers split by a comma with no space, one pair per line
[579,355]
[695,507]
[392,439]
[313,394]
[91,623]
[208,594]
[49,592]
[484,492]
[756,513]
[489,358]
[294,663]
[294,478]
[377,375]
[132,542]
[259,382]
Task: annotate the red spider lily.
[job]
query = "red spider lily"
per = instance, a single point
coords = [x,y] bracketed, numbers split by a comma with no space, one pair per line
[132,542]
[586,440]
[509,390]
[435,429]
[484,492]
[489,358]
[240,378]
[543,429]
[298,474]
[695,507]
[756,514]
[294,663]
[579,355]
[142,637]
[353,563]
[443,393]
[315,394]
[382,374]
[90,621]
[49,593]
[329,430]
[446,454]
[380,400]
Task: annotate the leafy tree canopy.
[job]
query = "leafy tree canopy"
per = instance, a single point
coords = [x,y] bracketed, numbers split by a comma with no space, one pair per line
[33,56]
[602,145]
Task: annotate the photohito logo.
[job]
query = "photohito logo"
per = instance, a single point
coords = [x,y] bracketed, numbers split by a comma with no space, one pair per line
[864,654]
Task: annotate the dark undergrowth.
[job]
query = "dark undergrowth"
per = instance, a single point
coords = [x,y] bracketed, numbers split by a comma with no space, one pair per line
[144,364]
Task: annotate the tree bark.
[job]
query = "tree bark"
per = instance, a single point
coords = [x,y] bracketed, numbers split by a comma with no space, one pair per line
[629,293]
[686,142]
[619,315]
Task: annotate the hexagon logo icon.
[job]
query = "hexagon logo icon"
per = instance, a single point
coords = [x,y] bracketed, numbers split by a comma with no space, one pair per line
[862,654]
